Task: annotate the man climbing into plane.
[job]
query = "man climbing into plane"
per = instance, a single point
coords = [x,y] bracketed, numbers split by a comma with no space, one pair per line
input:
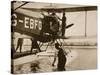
[35,45]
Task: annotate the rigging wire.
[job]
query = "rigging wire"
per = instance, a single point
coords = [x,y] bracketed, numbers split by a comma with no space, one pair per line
[21,5]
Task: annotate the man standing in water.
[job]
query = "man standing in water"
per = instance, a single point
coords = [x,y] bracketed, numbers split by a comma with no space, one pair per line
[61,58]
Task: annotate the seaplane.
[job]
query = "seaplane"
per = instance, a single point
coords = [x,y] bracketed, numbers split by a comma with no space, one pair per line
[26,19]
[37,28]
[40,28]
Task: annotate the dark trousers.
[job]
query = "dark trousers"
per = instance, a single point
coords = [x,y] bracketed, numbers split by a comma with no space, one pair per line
[35,46]
[61,65]
[19,44]
[63,31]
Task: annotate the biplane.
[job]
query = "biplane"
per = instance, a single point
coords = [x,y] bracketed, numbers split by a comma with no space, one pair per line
[41,28]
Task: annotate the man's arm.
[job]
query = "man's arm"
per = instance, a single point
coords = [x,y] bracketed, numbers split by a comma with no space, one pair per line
[59,18]
[54,59]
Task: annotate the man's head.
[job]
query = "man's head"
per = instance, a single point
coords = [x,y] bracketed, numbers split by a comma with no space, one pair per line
[57,45]
[63,13]
[53,13]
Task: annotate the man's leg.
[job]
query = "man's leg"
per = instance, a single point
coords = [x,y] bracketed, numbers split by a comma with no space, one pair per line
[61,66]
[31,48]
[63,32]
[38,47]
[20,47]
[17,47]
